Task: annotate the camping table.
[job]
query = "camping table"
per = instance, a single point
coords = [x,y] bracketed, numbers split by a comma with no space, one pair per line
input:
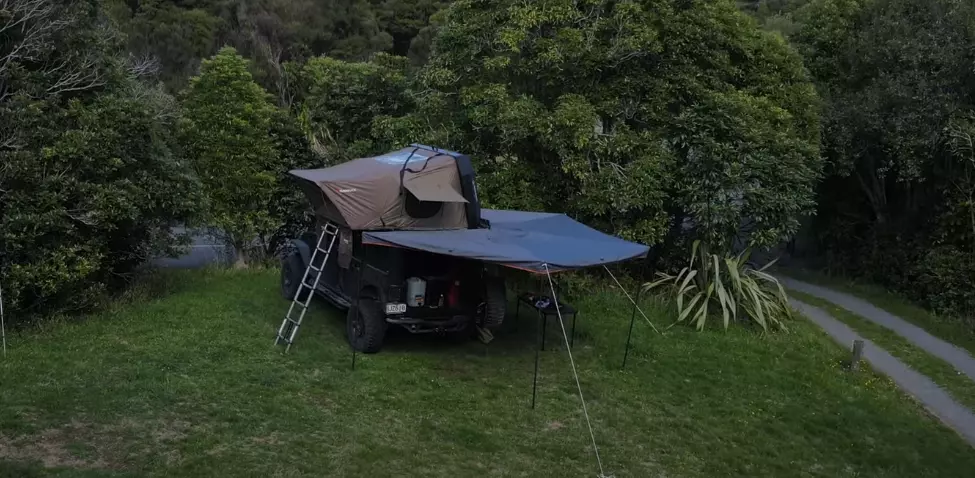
[544,314]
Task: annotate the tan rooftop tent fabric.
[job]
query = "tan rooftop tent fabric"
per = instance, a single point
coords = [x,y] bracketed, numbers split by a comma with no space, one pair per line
[367,193]
[436,186]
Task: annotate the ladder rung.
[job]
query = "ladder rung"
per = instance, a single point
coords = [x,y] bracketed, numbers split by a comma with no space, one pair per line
[289,327]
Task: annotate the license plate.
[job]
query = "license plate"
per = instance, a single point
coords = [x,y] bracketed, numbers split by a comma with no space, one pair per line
[395,308]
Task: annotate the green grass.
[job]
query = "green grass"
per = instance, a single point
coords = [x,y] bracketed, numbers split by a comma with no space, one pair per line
[188,384]
[951,329]
[953,381]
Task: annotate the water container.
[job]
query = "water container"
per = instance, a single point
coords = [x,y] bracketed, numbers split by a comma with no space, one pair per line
[416,291]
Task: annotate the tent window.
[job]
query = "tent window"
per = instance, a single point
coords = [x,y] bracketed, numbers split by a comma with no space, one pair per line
[421,209]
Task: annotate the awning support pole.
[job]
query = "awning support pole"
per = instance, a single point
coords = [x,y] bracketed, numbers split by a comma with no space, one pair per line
[629,335]
[537,351]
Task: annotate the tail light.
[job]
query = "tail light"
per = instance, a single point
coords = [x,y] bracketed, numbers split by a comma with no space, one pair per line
[453,296]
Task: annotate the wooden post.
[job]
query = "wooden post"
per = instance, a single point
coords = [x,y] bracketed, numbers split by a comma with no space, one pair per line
[857,354]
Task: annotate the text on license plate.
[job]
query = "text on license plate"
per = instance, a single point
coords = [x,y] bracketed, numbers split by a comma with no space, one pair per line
[395,308]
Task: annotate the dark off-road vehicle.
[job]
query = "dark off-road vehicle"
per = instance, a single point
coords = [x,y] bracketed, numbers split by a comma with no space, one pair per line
[419,188]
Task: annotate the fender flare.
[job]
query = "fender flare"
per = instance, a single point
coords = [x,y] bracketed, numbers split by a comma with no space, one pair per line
[304,250]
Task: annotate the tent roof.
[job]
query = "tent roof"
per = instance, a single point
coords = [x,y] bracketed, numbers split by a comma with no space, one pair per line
[366,193]
[520,239]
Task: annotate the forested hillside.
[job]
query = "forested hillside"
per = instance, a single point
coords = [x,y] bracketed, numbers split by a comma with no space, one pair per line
[663,121]
[178,34]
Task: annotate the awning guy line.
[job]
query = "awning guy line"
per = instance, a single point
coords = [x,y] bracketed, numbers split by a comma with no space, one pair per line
[654,327]
[572,362]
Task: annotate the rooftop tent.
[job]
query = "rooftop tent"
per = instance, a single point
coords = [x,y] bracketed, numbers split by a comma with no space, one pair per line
[522,240]
[412,188]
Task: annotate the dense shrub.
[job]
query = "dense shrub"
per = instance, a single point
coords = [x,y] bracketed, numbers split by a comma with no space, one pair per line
[90,181]
[346,106]
[897,82]
[288,206]
[943,279]
[637,117]
[227,134]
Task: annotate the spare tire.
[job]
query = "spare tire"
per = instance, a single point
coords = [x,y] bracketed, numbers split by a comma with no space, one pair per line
[292,271]
[495,302]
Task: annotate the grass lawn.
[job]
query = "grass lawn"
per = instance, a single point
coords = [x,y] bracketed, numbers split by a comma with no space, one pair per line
[957,331]
[954,382]
[188,384]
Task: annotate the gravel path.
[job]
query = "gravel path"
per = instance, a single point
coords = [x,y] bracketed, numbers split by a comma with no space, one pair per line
[936,400]
[956,356]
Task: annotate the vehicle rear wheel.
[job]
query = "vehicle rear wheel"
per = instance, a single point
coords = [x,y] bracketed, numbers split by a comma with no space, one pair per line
[292,270]
[495,303]
[366,326]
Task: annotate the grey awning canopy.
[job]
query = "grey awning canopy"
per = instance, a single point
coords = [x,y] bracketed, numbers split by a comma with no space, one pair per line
[531,241]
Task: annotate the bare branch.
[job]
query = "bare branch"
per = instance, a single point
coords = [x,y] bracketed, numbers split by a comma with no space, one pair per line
[83,75]
[142,66]
[33,22]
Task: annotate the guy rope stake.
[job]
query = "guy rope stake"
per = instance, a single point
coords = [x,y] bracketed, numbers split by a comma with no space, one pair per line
[572,362]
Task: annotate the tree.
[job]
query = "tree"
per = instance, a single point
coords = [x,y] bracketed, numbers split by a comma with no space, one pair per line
[346,105]
[773,15]
[647,118]
[90,181]
[227,136]
[898,86]
[271,33]
[890,100]
[405,19]
[893,74]
[176,36]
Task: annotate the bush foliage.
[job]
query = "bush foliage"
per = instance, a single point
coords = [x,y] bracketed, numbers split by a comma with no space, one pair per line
[638,117]
[228,119]
[662,121]
[712,283]
[91,178]
[898,84]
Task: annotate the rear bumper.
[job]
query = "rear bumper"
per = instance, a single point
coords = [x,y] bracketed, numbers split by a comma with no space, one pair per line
[430,325]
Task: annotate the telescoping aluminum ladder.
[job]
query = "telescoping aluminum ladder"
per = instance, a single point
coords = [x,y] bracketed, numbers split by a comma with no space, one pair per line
[306,289]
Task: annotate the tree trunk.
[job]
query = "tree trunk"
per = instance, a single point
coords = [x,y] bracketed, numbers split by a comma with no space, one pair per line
[240,258]
[875,192]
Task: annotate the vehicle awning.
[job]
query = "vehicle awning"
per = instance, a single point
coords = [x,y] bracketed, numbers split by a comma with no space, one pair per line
[520,239]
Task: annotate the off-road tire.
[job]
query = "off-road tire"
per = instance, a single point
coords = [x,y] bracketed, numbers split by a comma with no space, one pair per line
[292,270]
[495,303]
[366,326]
